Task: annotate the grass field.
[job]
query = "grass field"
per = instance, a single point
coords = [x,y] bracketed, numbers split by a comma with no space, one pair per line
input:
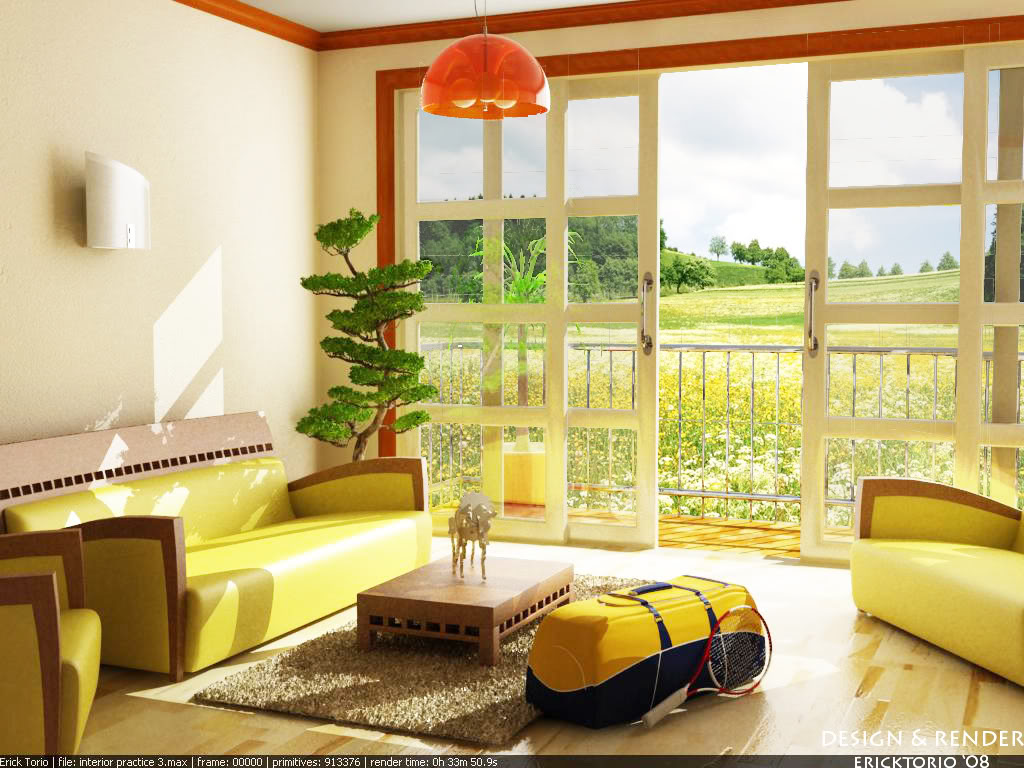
[773,314]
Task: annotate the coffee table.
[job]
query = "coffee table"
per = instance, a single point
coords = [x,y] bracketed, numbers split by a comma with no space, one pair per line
[432,602]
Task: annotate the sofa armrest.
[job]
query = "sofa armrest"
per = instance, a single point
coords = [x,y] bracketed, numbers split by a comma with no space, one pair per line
[373,485]
[57,551]
[30,649]
[140,598]
[901,508]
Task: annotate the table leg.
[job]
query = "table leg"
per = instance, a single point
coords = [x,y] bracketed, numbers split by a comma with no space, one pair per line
[365,635]
[490,646]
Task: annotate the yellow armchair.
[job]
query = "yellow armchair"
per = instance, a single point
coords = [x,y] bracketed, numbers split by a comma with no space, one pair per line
[50,644]
[944,564]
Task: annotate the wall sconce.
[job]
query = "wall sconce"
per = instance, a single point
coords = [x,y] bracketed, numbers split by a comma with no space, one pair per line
[116,204]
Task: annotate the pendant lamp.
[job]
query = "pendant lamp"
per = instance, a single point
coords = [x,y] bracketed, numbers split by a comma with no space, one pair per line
[485,77]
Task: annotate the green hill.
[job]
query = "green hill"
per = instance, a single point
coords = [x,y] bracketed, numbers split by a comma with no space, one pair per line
[773,314]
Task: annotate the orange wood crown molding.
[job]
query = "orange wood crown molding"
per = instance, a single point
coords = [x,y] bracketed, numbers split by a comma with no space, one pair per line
[555,18]
[501,24]
[246,15]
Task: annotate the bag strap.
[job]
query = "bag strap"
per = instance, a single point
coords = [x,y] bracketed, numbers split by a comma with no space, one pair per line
[666,639]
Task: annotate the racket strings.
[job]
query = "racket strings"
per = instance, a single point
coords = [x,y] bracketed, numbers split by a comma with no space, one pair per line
[738,654]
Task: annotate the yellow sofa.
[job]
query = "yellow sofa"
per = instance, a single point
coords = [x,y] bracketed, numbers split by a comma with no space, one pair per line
[49,643]
[189,568]
[944,564]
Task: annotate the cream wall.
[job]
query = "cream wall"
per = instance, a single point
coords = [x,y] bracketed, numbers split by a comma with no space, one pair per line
[347,132]
[221,119]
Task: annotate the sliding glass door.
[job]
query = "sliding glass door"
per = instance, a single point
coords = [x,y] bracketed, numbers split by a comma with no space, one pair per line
[914,373]
[541,327]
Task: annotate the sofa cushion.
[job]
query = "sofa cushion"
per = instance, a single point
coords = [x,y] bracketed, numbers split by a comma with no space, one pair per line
[250,587]
[213,501]
[962,597]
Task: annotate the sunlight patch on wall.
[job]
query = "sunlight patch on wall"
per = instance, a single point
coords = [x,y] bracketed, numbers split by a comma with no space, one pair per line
[211,402]
[186,335]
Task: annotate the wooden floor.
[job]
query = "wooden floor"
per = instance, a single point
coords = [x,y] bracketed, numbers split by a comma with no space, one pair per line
[833,670]
[736,536]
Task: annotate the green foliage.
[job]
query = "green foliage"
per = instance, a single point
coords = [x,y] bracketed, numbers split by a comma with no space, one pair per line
[384,378]
[342,235]
[863,270]
[881,272]
[947,262]
[847,270]
[663,234]
[717,247]
[781,267]
[686,269]
[831,268]
[896,269]
[926,266]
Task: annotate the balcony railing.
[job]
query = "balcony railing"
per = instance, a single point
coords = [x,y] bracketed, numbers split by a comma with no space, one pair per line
[730,417]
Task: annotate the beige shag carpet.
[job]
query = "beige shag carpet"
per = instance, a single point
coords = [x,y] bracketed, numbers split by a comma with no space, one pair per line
[416,685]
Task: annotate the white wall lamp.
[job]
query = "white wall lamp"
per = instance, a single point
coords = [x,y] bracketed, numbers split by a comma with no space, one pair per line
[116,204]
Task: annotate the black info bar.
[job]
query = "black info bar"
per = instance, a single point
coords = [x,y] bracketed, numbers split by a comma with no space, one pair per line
[515,761]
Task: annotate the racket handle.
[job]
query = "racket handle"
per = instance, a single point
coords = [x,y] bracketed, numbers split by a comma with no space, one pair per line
[670,702]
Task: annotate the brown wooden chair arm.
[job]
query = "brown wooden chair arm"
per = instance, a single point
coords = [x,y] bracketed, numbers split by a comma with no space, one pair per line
[169,532]
[65,544]
[40,591]
[905,508]
[414,468]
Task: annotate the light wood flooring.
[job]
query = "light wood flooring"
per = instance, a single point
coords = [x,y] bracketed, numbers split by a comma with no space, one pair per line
[833,670]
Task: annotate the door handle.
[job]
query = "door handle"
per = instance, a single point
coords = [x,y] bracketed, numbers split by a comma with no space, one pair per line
[812,287]
[646,341]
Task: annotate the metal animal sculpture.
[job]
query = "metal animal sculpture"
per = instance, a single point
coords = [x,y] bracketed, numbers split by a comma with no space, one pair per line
[471,523]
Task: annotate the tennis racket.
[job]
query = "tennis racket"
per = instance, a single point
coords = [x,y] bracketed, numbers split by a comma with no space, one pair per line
[736,656]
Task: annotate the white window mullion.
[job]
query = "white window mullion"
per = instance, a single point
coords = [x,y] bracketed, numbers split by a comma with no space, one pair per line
[972,247]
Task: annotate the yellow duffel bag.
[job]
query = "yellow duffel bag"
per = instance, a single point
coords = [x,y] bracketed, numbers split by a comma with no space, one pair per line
[612,658]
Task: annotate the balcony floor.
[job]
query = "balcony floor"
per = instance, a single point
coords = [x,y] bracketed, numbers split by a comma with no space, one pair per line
[755,537]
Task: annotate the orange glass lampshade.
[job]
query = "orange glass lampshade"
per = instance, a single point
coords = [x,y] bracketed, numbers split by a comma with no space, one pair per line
[487,77]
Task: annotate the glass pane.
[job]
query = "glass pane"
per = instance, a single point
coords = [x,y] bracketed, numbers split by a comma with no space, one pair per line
[602,258]
[523,368]
[524,488]
[453,454]
[601,471]
[1005,244]
[1003,350]
[894,255]
[451,158]
[892,131]
[507,464]
[602,365]
[849,460]
[455,248]
[883,378]
[1005,462]
[892,371]
[453,355]
[524,156]
[525,261]
[602,146]
[1005,121]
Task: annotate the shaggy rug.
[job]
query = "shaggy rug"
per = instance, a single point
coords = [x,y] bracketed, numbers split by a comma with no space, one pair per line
[416,685]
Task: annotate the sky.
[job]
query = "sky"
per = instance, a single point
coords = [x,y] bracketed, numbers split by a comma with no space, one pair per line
[732,158]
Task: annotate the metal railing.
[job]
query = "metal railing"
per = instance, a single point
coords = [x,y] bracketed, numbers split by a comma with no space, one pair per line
[735,477]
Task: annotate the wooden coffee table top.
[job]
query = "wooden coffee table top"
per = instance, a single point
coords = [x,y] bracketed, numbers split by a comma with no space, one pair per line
[508,580]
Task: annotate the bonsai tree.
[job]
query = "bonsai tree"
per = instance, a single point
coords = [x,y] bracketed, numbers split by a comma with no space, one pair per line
[383,378]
